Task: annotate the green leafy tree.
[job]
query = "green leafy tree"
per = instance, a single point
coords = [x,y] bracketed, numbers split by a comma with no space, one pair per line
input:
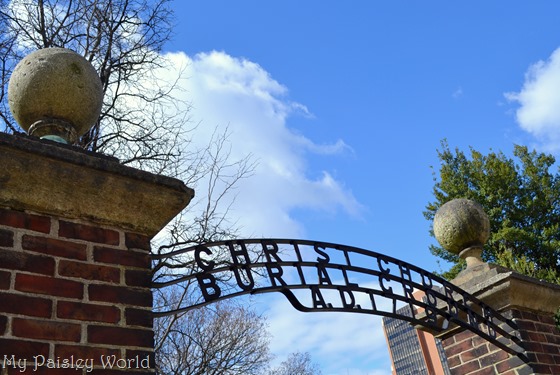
[521,196]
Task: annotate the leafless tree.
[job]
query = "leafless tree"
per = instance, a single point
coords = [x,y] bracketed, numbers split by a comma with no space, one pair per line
[224,338]
[123,40]
[144,125]
[297,364]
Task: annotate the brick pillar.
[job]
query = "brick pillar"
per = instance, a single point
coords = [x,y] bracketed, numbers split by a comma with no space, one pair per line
[530,303]
[75,231]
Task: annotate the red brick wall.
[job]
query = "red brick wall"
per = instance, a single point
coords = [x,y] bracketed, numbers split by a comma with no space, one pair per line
[73,291]
[468,353]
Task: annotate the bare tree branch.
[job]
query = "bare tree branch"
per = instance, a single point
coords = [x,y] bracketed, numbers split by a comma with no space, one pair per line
[143,124]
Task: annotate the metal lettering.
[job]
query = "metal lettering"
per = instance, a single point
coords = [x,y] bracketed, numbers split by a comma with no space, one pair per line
[406,280]
[275,275]
[383,276]
[318,300]
[423,275]
[431,309]
[381,268]
[203,264]
[244,254]
[345,303]
[431,314]
[489,320]
[298,253]
[240,279]
[431,299]
[441,305]
[324,278]
[452,308]
[326,258]
[382,284]
[300,273]
[372,299]
[298,264]
[271,252]
[207,282]
[471,317]
[345,275]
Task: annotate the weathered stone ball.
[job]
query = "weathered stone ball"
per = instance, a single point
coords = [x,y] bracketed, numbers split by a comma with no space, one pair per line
[55,83]
[461,223]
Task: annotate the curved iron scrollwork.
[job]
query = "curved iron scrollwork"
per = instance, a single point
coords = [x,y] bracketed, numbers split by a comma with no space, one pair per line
[319,276]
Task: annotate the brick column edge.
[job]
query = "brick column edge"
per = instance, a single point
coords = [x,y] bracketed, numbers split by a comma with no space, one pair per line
[75,272]
[529,302]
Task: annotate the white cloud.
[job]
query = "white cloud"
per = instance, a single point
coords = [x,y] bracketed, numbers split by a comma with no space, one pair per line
[237,94]
[343,343]
[539,101]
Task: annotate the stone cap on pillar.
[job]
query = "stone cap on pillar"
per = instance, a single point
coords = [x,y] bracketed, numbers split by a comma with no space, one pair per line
[504,289]
[56,179]
[55,94]
[462,228]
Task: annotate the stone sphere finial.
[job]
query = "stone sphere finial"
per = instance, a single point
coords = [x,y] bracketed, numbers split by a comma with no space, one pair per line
[462,227]
[56,94]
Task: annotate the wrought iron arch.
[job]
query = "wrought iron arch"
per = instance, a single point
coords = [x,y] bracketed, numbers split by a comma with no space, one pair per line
[320,276]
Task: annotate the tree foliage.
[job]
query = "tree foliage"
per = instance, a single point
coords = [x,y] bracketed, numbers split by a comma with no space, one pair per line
[520,194]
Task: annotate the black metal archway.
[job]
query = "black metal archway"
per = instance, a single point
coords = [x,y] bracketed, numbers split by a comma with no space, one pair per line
[319,276]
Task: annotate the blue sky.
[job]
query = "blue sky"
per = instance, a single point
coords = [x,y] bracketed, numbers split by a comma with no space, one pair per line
[343,104]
